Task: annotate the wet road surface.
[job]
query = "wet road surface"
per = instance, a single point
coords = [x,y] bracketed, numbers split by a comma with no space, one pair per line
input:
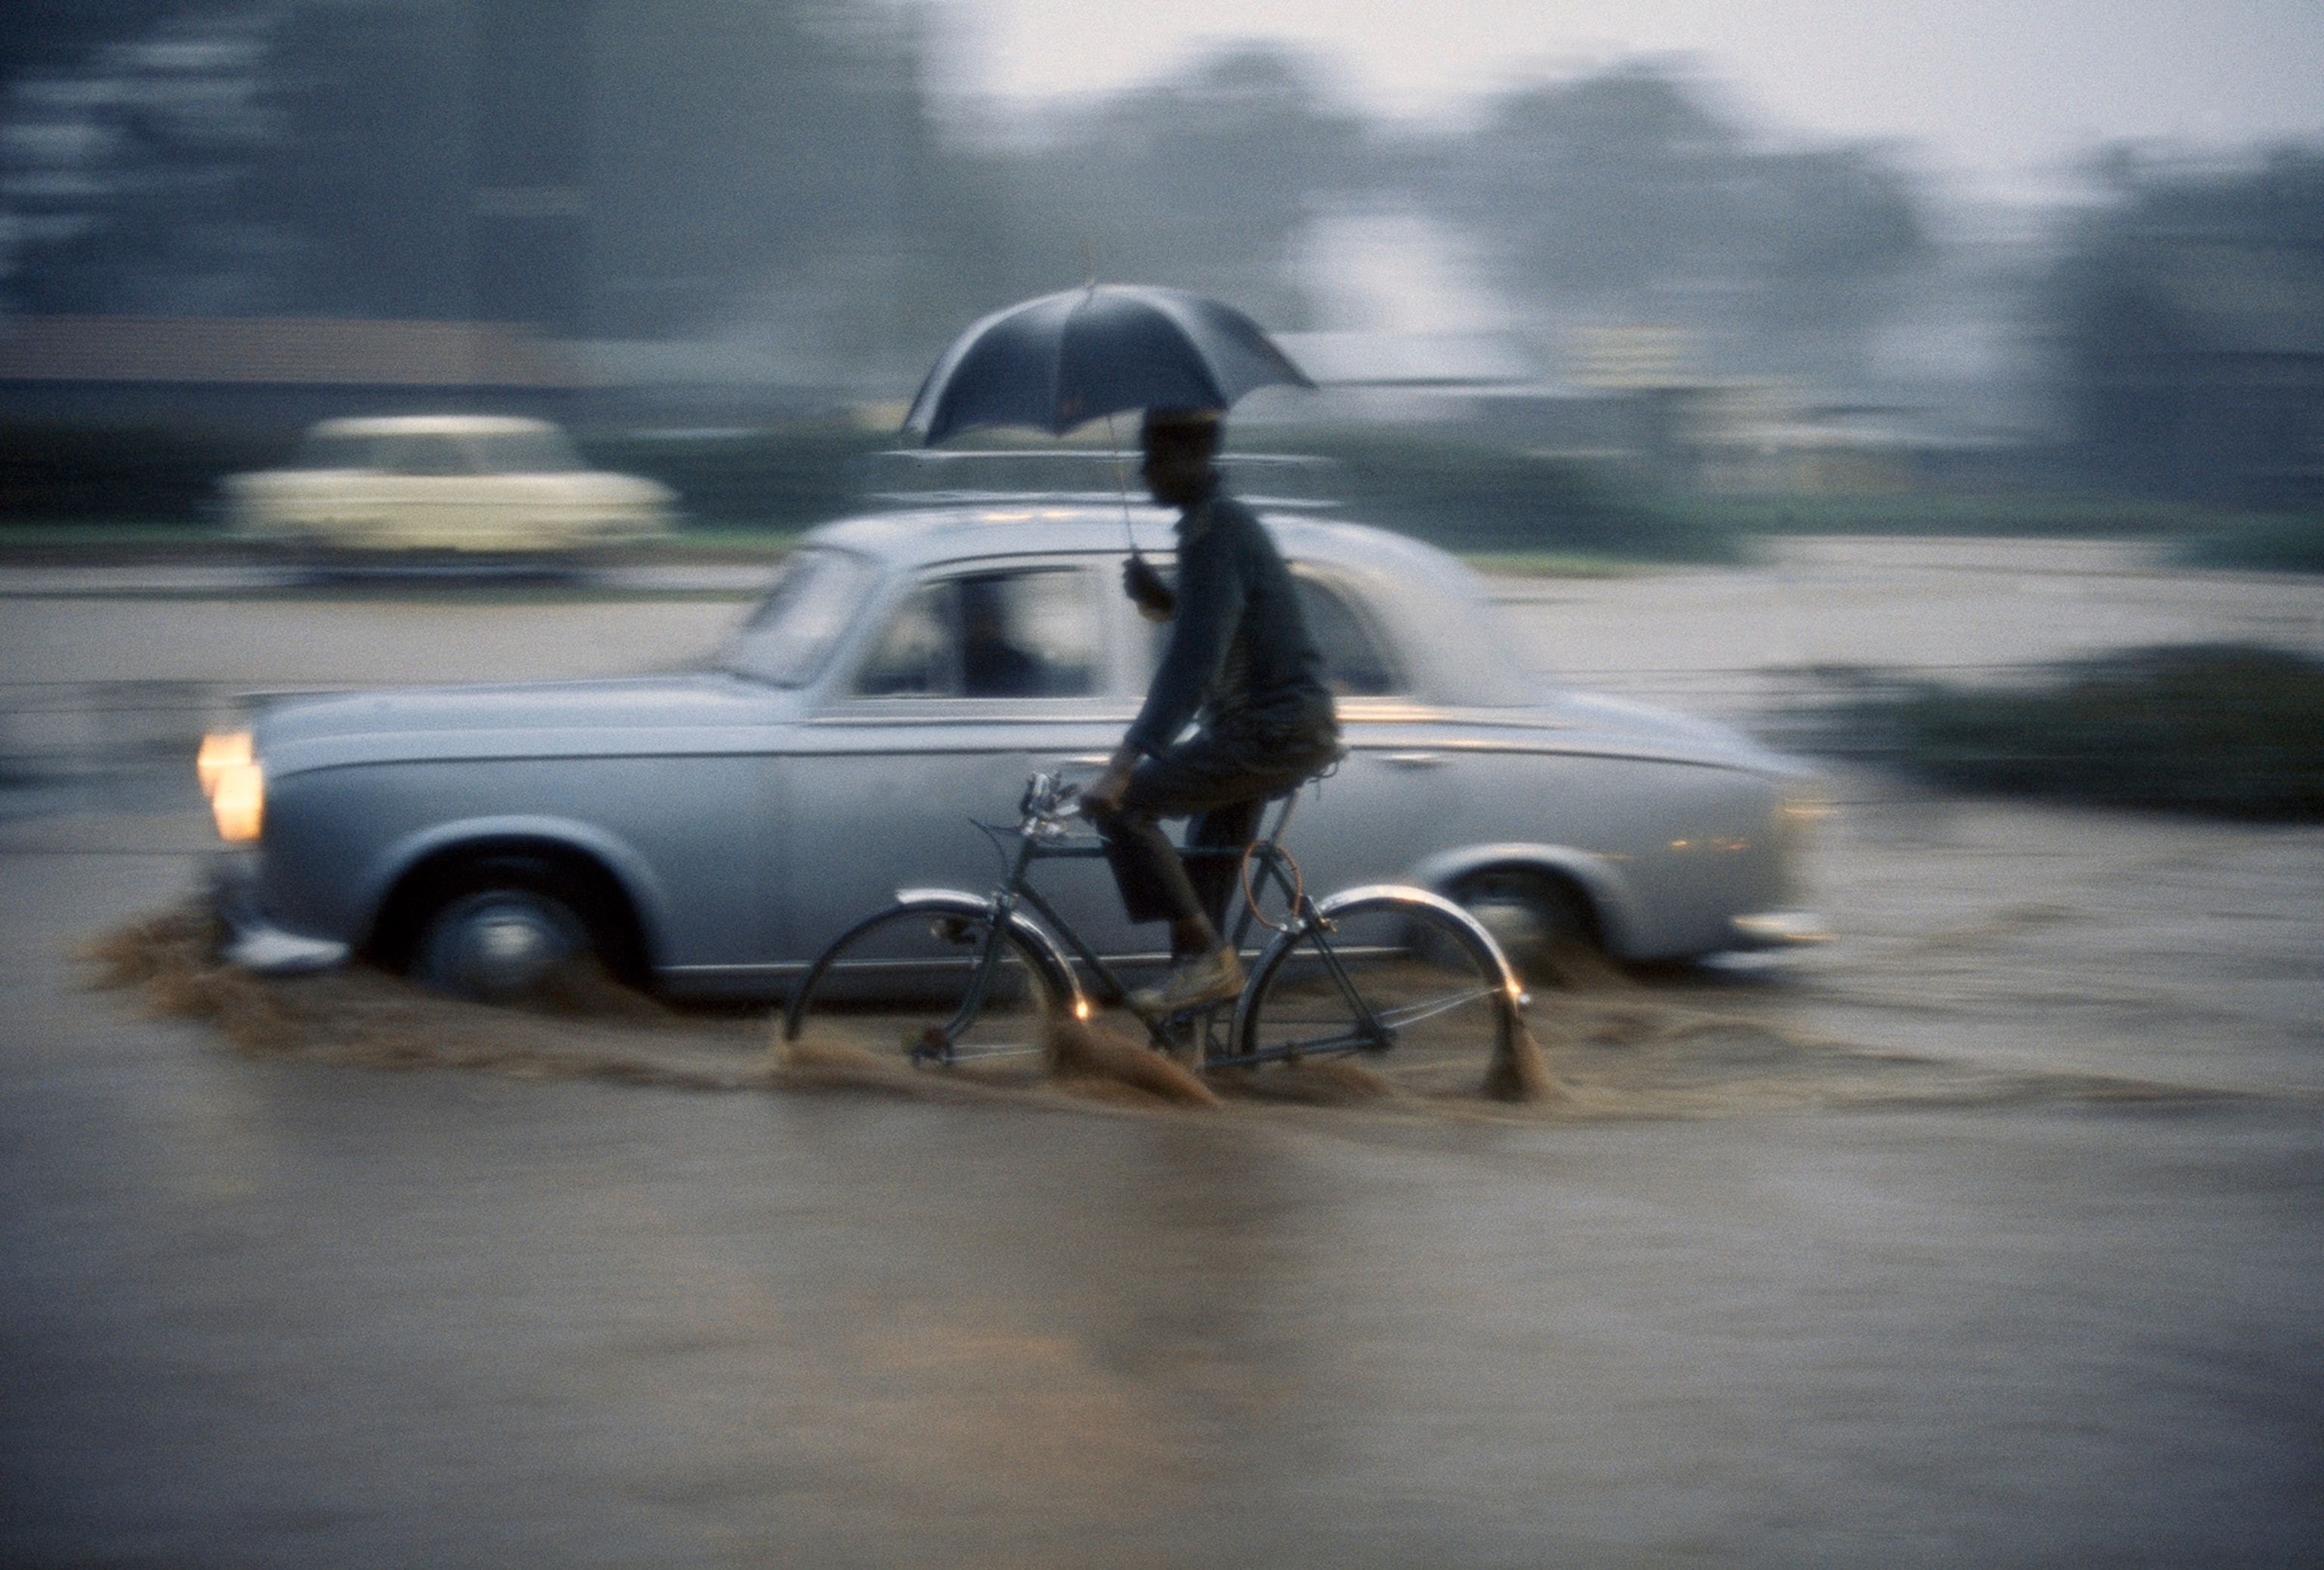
[1989,1234]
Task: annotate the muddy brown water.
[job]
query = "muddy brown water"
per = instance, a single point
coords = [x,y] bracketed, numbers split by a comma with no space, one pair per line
[2030,953]
[1986,1234]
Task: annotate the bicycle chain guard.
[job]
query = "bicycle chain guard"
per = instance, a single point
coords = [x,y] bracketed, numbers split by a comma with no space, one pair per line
[1250,896]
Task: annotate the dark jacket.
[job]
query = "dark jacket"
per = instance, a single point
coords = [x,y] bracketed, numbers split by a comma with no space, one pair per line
[1239,657]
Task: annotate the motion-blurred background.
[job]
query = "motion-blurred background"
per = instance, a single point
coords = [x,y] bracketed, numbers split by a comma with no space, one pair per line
[2024,252]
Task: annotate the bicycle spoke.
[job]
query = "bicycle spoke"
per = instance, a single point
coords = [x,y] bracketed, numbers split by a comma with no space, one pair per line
[1391,976]
[909,979]
[1398,1018]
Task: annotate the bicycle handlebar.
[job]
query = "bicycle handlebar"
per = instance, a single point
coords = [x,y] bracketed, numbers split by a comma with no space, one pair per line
[1042,809]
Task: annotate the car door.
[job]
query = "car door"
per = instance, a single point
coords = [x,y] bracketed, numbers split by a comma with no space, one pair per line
[1381,812]
[979,674]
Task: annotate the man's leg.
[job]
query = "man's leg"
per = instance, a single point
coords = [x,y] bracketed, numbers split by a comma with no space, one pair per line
[1226,828]
[1219,786]
[1194,779]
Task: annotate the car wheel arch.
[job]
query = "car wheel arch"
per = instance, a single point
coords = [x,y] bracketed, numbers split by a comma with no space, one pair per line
[619,921]
[1599,896]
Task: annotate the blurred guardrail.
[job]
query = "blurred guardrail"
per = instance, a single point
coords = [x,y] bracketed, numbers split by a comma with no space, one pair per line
[64,735]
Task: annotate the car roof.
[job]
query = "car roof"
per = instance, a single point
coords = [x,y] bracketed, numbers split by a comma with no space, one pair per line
[926,536]
[432,425]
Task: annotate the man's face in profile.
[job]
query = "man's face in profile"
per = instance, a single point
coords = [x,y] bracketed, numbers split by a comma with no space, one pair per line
[1177,465]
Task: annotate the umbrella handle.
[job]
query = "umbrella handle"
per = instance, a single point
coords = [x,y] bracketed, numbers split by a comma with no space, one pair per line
[1121,481]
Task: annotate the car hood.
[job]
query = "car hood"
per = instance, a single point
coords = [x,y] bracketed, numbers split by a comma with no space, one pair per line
[697,712]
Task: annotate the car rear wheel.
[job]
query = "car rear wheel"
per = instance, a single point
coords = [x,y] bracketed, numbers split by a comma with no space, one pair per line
[503,928]
[1542,922]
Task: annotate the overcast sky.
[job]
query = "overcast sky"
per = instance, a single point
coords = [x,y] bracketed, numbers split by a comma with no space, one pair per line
[1999,95]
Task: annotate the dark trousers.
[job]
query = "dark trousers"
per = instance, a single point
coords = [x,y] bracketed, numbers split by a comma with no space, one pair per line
[1223,786]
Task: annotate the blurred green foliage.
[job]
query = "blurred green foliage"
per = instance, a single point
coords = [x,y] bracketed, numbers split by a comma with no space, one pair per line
[2030,514]
[1470,497]
[140,473]
[2282,542]
[790,477]
[2231,730]
[1466,496]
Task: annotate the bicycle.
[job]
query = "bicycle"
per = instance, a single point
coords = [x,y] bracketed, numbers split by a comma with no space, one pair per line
[1376,969]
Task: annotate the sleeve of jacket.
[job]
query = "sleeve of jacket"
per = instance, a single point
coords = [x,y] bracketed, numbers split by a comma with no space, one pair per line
[1210,604]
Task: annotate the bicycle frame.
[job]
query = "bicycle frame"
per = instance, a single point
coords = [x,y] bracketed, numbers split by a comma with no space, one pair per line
[1041,829]
[1265,866]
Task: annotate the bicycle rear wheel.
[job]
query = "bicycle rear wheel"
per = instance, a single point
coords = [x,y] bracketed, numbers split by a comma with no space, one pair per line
[900,981]
[1399,977]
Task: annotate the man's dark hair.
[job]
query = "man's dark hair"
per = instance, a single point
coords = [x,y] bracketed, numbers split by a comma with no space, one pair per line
[1182,428]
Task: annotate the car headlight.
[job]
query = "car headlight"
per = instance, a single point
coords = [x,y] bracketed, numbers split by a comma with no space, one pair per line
[235,783]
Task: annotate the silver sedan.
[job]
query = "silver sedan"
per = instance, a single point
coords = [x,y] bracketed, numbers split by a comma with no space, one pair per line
[706,834]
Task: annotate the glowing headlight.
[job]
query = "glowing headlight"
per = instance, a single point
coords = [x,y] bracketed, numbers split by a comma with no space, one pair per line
[235,783]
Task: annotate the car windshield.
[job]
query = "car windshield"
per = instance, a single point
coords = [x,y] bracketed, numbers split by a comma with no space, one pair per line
[792,632]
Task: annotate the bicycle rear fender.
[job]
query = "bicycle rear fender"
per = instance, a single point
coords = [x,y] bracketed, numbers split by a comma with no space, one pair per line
[1057,971]
[1512,990]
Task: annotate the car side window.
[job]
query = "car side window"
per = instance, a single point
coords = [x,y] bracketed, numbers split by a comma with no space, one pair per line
[914,657]
[1025,633]
[1355,662]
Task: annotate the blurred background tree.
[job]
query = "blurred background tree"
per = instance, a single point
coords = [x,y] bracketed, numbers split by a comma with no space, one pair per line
[2189,326]
[776,181]
[1626,196]
[1204,180]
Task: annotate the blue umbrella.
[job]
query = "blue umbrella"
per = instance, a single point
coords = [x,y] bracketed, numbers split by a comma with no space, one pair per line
[1061,360]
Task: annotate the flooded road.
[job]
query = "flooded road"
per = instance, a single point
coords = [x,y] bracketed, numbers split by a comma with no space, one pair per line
[1987,1234]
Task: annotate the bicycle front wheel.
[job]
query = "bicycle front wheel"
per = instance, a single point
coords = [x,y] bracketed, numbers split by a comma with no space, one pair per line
[1408,982]
[902,979]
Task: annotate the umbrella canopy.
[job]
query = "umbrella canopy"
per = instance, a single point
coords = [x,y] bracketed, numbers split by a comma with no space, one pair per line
[1059,361]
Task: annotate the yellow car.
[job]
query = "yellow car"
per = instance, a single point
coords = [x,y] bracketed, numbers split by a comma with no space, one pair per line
[444,481]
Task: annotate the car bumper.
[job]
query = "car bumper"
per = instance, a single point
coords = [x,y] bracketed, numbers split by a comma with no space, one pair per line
[1778,930]
[254,941]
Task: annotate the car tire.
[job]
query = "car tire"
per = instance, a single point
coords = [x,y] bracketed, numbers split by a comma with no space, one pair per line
[502,929]
[1542,922]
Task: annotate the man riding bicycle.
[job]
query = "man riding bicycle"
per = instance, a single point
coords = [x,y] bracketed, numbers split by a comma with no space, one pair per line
[1241,661]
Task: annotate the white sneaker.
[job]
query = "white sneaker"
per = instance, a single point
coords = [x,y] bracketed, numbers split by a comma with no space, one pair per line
[1212,978]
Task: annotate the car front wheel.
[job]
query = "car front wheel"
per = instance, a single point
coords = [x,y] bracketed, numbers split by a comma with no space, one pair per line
[503,930]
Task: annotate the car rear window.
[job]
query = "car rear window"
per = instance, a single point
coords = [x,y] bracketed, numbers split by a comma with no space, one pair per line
[1355,662]
[814,601]
[526,452]
[325,450]
[429,456]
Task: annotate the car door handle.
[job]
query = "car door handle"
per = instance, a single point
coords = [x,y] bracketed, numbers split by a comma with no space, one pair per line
[1413,760]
